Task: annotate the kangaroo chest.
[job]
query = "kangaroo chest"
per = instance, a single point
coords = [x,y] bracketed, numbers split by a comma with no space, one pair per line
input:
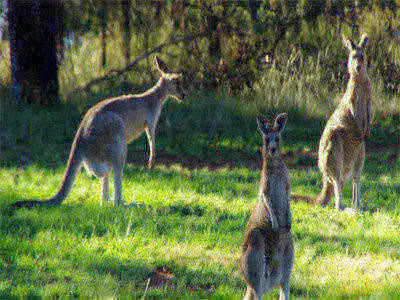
[276,192]
[153,115]
[360,99]
[144,117]
[277,195]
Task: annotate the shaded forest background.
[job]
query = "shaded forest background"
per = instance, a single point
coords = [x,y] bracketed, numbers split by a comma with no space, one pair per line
[95,44]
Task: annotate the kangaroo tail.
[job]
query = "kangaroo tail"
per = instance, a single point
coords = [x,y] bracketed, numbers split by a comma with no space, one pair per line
[326,194]
[73,166]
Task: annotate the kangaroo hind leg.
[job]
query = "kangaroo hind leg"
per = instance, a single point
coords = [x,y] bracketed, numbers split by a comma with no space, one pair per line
[100,170]
[358,166]
[253,265]
[105,189]
[254,275]
[284,291]
[151,136]
[326,193]
[118,158]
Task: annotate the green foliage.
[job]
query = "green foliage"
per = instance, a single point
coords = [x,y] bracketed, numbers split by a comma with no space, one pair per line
[236,43]
[235,36]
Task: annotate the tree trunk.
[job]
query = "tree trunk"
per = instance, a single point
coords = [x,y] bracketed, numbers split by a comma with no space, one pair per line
[254,5]
[48,10]
[32,30]
[126,9]
[214,46]
[103,20]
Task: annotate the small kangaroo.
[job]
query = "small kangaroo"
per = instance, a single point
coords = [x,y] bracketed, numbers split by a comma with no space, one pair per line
[342,146]
[268,250]
[105,131]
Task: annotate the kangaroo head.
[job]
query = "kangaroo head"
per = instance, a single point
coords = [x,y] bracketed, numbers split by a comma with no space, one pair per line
[357,61]
[272,135]
[174,81]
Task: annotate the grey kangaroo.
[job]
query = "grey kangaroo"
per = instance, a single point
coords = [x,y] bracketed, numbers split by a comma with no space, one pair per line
[268,250]
[100,143]
[342,146]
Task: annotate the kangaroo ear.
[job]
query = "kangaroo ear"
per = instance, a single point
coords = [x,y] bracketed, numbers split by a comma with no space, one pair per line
[263,125]
[363,41]
[280,121]
[162,66]
[348,42]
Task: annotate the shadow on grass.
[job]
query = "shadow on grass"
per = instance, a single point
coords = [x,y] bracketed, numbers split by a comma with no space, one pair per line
[88,221]
[354,245]
[164,273]
[194,135]
[208,131]
[225,184]
[205,131]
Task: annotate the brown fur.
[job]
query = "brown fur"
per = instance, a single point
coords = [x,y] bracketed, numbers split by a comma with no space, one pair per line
[100,143]
[268,250]
[342,145]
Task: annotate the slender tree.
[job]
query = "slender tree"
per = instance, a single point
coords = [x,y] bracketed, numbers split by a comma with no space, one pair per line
[126,10]
[103,20]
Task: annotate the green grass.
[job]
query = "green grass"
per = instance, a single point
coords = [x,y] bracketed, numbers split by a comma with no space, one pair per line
[197,201]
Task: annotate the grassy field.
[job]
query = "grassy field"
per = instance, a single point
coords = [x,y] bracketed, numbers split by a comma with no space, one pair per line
[186,238]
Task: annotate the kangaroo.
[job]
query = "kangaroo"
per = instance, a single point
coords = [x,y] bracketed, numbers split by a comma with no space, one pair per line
[342,146]
[268,250]
[100,143]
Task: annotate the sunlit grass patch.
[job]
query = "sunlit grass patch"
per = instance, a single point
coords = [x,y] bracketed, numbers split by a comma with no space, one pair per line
[191,228]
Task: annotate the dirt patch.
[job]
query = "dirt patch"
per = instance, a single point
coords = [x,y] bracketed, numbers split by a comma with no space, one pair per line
[383,148]
[210,288]
[161,277]
[392,150]
[294,159]
[297,198]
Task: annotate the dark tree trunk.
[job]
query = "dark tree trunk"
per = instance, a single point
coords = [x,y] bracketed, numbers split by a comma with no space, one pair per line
[60,32]
[214,46]
[48,72]
[103,19]
[126,9]
[34,67]
[254,5]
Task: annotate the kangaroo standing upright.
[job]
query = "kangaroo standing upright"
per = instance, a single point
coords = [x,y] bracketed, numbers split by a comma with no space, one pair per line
[268,251]
[105,131]
[342,146]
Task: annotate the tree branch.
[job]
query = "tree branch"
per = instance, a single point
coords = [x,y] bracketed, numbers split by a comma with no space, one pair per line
[117,72]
